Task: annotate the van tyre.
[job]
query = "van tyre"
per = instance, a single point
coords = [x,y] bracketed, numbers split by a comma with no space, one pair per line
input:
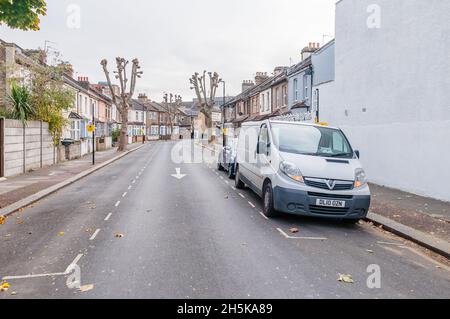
[351,221]
[268,207]
[230,171]
[237,181]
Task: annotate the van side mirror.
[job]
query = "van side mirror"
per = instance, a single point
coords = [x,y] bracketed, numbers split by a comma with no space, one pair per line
[357,154]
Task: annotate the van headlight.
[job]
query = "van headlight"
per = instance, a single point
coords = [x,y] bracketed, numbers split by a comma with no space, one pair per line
[360,178]
[292,171]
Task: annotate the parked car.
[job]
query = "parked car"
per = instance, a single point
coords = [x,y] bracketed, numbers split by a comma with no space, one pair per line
[302,169]
[227,158]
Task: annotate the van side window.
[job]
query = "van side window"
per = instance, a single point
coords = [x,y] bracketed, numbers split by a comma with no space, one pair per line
[263,139]
[339,145]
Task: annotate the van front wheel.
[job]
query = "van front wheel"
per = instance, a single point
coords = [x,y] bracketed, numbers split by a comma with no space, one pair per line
[269,209]
[237,180]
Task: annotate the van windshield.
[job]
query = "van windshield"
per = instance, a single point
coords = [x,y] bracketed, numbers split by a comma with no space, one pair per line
[311,140]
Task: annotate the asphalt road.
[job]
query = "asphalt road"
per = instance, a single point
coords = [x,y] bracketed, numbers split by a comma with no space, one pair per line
[135,231]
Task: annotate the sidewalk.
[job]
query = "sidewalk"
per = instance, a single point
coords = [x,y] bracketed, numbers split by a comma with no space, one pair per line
[20,187]
[426,215]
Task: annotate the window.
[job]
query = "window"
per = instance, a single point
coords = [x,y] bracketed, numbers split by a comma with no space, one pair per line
[306,93]
[154,130]
[263,140]
[311,140]
[108,112]
[142,116]
[277,97]
[137,116]
[79,101]
[295,90]
[285,96]
[75,130]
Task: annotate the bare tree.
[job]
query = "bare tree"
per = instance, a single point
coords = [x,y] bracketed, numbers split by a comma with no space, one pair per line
[206,94]
[172,103]
[123,100]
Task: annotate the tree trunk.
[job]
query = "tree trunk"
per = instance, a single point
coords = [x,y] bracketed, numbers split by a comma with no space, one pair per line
[123,139]
[208,118]
[209,124]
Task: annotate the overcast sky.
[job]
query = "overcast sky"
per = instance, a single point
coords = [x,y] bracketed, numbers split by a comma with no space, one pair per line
[175,38]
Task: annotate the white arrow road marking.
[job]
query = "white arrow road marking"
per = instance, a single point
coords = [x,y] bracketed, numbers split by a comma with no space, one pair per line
[76,260]
[307,238]
[178,175]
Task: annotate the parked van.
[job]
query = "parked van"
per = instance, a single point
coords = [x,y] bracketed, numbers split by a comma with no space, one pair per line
[302,169]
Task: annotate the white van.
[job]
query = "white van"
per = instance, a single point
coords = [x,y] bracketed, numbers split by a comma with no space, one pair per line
[302,169]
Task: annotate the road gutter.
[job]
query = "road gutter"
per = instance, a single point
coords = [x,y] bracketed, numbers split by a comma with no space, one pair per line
[434,244]
[11,209]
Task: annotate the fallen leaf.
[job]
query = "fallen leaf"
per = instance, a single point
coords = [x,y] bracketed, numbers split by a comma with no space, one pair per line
[86,288]
[13,293]
[294,230]
[61,233]
[4,286]
[118,235]
[2,220]
[369,251]
[348,279]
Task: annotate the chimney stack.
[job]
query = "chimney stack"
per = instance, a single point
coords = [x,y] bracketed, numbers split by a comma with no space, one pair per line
[68,70]
[142,98]
[247,84]
[279,69]
[310,49]
[260,77]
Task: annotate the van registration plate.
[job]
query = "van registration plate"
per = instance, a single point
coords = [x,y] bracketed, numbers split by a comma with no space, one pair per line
[330,203]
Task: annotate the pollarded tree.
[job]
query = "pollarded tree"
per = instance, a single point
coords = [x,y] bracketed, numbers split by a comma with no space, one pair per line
[206,93]
[22,14]
[172,103]
[122,101]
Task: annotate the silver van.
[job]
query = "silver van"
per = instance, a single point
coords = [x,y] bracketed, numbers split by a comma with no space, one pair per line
[302,169]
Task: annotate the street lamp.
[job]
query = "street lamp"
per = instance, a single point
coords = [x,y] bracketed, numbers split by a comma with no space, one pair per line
[223,113]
